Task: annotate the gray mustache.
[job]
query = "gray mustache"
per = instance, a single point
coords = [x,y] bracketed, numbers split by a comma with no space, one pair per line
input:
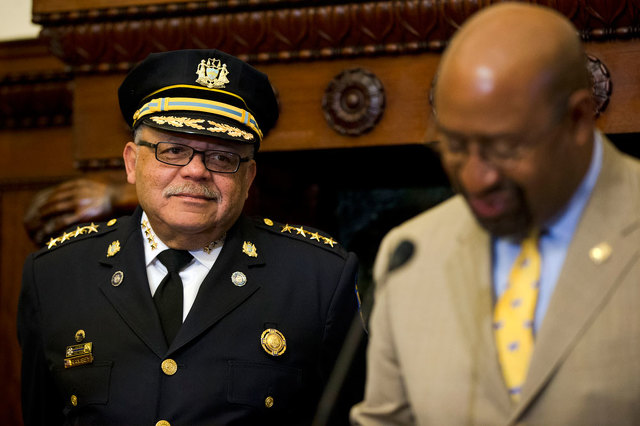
[190,189]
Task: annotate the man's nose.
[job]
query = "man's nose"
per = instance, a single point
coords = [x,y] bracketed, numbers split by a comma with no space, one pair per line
[477,174]
[197,165]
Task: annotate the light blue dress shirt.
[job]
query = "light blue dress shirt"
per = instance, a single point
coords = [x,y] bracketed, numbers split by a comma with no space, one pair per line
[553,243]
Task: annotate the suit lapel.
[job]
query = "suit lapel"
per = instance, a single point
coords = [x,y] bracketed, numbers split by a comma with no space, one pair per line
[218,295]
[132,297]
[585,283]
[470,281]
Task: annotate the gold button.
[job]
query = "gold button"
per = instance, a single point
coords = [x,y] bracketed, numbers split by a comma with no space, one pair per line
[112,222]
[169,367]
[74,400]
[163,423]
[268,222]
[79,336]
[268,402]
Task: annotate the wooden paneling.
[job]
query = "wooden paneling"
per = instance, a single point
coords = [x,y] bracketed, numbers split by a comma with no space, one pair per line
[622,58]
[14,247]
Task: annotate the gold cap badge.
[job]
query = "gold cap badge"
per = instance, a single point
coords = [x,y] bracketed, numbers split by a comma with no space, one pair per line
[212,73]
[273,342]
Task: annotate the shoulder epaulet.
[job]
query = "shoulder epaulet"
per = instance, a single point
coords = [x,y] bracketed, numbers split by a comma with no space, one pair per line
[307,234]
[81,232]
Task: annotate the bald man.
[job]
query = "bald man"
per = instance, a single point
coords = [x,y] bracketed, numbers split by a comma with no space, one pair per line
[518,300]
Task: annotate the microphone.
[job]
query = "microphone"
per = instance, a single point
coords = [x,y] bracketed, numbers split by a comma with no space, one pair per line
[401,255]
[352,343]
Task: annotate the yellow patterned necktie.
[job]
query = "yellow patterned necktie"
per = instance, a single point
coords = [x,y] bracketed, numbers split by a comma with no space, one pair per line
[514,314]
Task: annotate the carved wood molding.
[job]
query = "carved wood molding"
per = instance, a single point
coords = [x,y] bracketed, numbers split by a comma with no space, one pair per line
[38,99]
[98,164]
[114,39]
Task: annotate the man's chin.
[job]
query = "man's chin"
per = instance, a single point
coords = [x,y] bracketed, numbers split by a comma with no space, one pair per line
[505,225]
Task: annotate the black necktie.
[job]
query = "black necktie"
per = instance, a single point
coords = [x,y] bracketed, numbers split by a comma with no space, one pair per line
[168,296]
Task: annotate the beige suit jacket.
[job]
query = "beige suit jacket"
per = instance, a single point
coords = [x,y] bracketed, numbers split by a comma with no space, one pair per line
[431,356]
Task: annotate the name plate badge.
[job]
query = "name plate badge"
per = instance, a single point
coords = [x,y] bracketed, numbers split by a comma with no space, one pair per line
[78,355]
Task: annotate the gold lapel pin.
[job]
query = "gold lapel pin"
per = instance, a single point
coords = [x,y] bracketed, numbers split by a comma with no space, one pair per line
[117,278]
[238,279]
[600,253]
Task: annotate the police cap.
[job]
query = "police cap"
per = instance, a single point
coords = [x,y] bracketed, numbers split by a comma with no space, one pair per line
[201,91]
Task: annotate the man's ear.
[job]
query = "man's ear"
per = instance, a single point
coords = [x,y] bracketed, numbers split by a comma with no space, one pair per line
[252,169]
[130,155]
[582,114]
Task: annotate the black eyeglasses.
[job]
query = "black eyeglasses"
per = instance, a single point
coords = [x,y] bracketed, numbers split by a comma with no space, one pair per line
[177,154]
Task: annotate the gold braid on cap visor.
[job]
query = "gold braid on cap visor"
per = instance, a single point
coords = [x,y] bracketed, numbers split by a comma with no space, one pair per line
[201,105]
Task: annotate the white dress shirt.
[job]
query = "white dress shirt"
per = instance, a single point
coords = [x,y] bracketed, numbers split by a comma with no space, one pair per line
[192,275]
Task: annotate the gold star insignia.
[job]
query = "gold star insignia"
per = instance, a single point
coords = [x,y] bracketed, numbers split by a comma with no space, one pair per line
[92,228]
[287,228]
[78,231]
[315,236]
[52,242]
[329,241]
[301,231]
[66,236]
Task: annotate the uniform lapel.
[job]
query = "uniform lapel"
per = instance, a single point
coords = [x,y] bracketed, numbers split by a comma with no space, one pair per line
[218,295]
[585,283]
[470,282]
[132,297]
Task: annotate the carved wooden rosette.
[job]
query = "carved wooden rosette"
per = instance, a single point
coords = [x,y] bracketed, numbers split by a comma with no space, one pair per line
[353,102]
[601,80]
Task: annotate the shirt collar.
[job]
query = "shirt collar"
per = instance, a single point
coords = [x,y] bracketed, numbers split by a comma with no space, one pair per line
[153,245]
[563,224]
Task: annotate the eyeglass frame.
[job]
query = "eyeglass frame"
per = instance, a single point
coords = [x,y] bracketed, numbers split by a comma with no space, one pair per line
[487,145]
[193,154]
[559,113]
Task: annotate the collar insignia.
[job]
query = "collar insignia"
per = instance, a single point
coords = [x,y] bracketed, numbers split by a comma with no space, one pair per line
[113,248]
[249,249]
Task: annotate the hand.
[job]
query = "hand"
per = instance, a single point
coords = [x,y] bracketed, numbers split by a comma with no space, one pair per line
[78,200]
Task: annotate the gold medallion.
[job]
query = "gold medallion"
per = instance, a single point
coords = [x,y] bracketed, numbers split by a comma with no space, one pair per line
[273,342]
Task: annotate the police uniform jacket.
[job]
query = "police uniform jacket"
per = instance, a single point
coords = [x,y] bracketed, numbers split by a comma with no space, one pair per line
[89,296]
[432,358]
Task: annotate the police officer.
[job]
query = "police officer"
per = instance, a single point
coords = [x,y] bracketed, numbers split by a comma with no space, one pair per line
[186,312]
